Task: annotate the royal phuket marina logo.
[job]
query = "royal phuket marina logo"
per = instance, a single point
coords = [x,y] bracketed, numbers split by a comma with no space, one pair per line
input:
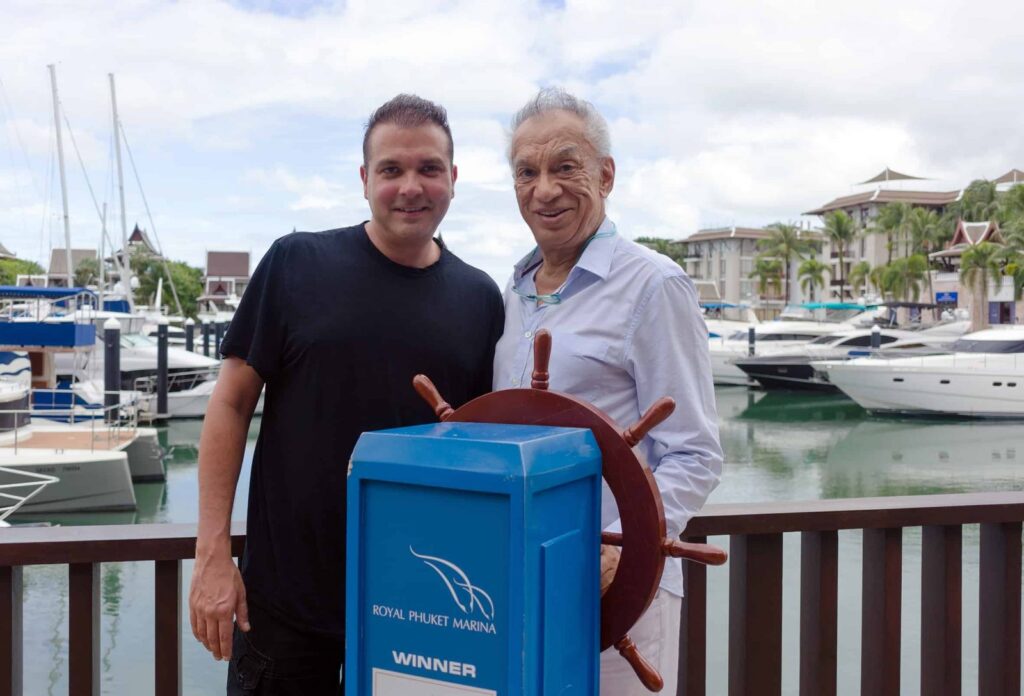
[469,598]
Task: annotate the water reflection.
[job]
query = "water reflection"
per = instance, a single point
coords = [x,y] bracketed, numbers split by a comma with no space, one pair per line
[914,457]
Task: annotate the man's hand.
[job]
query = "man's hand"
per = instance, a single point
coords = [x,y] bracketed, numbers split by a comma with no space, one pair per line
[610,556]
[216,597]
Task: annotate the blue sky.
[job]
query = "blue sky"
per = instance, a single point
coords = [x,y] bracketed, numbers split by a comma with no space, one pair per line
[245,118]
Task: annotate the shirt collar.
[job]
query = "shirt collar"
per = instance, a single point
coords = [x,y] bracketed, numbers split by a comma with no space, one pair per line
[596,257]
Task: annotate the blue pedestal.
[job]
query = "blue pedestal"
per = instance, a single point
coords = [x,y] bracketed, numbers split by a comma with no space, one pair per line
[473,555]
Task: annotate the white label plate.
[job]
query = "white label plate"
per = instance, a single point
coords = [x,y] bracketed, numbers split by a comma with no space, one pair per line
[387,683]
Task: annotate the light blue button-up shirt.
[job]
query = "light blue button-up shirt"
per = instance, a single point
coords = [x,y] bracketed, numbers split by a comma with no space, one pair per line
[627,332]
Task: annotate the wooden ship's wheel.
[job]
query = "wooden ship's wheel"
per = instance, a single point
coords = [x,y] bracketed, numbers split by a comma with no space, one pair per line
[643,541]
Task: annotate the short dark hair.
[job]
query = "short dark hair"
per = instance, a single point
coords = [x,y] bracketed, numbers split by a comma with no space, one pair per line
[408,111]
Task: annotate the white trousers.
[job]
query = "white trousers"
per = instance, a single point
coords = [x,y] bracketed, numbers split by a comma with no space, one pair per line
[656,635]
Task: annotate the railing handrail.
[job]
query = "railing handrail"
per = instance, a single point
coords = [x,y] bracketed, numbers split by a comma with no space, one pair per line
[857,513]
[140,542]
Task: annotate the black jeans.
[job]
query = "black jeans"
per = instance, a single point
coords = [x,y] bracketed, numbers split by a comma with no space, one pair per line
[274,659]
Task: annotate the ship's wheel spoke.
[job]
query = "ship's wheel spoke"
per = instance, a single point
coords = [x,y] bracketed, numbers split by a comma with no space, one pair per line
[659,411]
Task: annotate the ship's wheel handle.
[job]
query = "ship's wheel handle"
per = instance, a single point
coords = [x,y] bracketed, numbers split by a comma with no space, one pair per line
[429,393]
[645,671]
[541,358]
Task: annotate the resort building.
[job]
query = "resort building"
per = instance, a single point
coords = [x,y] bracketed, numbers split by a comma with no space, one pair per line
[864,208]
[5,253]
[227,275]
[721,260]
[1001,309]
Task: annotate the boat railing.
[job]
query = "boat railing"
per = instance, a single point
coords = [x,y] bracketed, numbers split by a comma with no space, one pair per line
[41,308]
[179,380]
[108,425]
[16,493]
[755,593]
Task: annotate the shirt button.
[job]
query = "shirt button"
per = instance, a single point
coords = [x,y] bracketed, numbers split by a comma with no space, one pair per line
[528,334]
[515,381]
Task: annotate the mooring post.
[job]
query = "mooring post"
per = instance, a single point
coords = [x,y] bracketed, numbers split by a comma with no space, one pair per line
[876,337]
[751,338]
[206,338]
[190,334]
[161,367]
[111,369]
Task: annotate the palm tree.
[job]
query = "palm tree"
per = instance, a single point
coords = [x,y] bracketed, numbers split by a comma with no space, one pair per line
[812,275]
[768,273]
[925,231]
[978,202]
[1015,269]
[859,276]
[841,230]
[903,277]
[892,222]
[784,243]
[979,264]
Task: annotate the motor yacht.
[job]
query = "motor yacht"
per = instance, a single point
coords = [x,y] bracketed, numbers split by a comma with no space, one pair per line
[981,375]
[792,369]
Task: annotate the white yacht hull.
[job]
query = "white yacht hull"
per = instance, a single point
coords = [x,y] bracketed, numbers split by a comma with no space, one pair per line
[189,403]
[87,481]
[936,387]
[145,455]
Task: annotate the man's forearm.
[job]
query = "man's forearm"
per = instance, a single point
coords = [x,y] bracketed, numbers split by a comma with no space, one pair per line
[221,447]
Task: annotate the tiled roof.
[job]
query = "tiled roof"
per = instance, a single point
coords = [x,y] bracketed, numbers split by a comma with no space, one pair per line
[882,196]
[728,233]
[227,264]
[1014,176]
[58,259]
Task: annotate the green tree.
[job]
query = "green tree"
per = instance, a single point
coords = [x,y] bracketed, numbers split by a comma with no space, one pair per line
[87,272]
[768,272]
[892,222]
[978,265]
[859,276]
[187,280]
[674,250]
[842,231]
[1015,269]
[783,243]
[10,269]
[812,275]
[978,202]
[903,277]
[925,237]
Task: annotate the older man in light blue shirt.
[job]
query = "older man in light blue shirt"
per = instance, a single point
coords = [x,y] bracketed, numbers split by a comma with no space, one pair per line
[626,330]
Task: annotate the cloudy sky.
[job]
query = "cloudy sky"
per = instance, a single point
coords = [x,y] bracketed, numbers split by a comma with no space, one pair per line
[245,118]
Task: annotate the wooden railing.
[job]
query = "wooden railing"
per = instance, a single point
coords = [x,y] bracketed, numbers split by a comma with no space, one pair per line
[755,593]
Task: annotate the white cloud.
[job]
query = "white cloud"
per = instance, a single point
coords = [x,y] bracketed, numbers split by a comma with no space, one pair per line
[247,122]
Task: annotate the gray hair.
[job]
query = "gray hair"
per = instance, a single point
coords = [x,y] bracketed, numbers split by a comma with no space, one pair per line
[408,111]
[557,99]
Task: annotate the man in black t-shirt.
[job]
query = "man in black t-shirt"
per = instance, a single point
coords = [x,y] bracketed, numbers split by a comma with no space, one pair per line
[335,324]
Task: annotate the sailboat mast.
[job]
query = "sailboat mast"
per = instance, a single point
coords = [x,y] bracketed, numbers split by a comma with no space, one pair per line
[63,178]
[126,272]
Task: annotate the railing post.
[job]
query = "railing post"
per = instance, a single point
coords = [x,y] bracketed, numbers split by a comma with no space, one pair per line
[941,608]
[692,676]
[11,633]
[84,629]
[755,614]
[168,628]
[999,610]
[819,608]
[206,338]
[881,607]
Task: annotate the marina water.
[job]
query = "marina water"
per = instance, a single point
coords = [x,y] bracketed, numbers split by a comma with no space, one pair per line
[778,446]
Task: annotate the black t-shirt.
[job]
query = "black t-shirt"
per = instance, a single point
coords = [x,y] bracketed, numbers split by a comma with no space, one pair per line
[337,330]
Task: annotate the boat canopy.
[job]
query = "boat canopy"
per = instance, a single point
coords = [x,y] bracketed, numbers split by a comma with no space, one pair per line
[836,305]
